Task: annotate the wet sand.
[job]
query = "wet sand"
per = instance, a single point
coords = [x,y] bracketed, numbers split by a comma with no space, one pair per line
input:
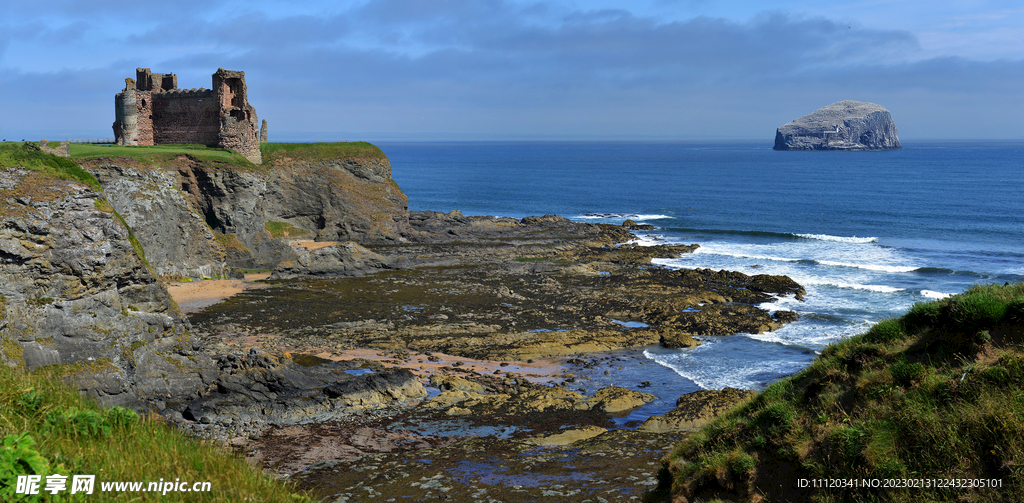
[193,296]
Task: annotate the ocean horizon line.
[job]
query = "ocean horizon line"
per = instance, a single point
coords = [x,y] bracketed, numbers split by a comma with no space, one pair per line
[374,137]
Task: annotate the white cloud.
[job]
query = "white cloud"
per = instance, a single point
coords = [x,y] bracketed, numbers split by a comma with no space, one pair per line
[465,66]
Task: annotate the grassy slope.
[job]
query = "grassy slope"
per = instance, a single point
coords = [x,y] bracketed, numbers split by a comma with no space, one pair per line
[935,394]
[162,153]
[73,436]
[28,155]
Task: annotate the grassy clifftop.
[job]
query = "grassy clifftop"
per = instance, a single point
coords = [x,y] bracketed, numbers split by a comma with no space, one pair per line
[935,397]
[274,152]
[31,157]
[162,154]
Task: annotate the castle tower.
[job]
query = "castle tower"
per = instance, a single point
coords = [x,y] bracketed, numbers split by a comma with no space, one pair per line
[126,113]
[238,129]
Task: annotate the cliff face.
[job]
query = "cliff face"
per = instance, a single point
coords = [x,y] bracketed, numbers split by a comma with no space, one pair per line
[340,200]
[177,241]
[201,218]
[845,125]
[74,293]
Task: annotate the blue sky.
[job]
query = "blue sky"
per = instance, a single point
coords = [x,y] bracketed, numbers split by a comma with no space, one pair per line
[508,69]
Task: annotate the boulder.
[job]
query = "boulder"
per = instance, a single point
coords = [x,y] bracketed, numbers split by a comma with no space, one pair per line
[675,339]
[372,390]
[845,125]
[613,399]
[567,437]
[453,383]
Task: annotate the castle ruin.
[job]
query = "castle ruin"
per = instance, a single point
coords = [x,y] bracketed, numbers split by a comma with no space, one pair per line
[151,110]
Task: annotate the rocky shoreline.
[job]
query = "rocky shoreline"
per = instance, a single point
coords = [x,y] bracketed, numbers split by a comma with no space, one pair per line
[492,289]
[402,353]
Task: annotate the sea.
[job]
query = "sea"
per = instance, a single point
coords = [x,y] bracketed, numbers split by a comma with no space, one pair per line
[866,233]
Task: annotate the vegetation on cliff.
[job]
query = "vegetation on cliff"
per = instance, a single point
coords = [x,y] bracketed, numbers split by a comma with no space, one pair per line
[276,152]
[162,154]
[158,154]
[31,157]
[933,397]
[47,428]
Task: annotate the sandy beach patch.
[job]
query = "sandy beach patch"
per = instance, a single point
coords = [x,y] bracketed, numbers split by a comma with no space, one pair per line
[306,245]
[195,295]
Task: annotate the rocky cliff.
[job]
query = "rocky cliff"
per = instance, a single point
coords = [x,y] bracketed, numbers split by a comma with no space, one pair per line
[351,199]
[201,218]
[76,294]
[177,241]
[845,125]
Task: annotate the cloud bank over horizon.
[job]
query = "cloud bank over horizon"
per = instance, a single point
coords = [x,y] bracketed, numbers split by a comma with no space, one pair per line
[492,69]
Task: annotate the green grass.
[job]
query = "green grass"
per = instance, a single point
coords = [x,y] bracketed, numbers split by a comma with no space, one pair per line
[230,242]
[157,154]
[273,152]
[285,230]
[47,428]
[935,394]
[29,156]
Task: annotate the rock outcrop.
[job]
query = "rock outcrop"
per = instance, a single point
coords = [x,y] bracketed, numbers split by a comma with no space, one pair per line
[351,199]
[254,389]
[335,261]
[76,295]
[695,410]
[845,125]
[198,218]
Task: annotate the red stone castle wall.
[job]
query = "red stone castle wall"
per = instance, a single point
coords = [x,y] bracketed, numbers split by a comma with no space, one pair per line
[144,118]
[186,117]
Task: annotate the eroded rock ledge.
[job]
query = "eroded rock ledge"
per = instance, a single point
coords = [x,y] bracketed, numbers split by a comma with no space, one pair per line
[499,289]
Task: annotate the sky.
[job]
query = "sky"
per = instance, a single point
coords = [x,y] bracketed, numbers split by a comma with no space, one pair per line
[518,69]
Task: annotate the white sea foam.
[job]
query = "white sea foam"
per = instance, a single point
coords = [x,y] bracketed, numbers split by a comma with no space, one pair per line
[622,216]
[871,267]
[707,377]
[648,240]
[838,239]
[709,251]
[854,286]
[735,362]
[935,295]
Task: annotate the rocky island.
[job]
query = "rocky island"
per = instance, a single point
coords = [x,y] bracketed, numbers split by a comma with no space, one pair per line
[844,125]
